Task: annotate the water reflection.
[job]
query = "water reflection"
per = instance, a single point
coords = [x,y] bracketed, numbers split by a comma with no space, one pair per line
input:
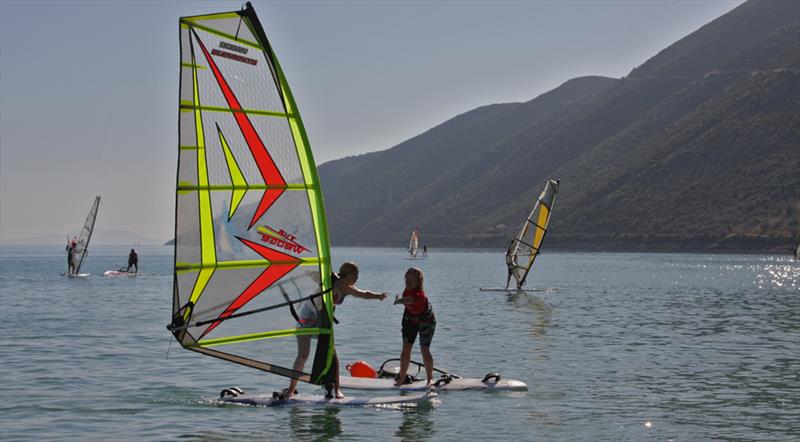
[416,424]
[541,310]
[315,423]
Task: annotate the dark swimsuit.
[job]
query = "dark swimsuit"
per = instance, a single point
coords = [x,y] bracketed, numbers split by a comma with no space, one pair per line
[423,324]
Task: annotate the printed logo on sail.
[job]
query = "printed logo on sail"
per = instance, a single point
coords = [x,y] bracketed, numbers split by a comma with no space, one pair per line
[232,56]
[233,48]
[280,239]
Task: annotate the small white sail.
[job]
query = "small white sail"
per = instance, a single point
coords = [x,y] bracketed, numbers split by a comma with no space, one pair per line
[413,244]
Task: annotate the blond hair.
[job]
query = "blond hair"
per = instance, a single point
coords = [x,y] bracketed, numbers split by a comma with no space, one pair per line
[347,269]
[418,273]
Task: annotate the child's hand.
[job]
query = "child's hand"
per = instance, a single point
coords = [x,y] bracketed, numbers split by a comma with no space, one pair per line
[383,296]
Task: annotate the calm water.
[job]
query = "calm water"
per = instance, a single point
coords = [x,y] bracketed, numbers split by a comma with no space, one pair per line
[630,347]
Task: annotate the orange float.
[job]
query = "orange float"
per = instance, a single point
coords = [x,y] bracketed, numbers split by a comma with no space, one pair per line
[360,369]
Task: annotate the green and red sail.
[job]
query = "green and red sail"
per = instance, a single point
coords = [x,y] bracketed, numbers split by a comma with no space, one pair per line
[245,167]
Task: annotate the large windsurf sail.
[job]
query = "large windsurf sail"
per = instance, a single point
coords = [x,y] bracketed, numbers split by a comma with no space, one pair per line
[251,239]
[413,244]
[82,245]
[525,247]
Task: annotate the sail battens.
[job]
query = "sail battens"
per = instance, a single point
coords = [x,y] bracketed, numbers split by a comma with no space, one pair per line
[213,187]
[249,245]
[222,265]
[535,224]
[210,30]
[188,107]
[265,335]
[536,249]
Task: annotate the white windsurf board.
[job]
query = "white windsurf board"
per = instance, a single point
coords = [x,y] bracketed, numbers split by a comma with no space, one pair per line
[313,399]
[512,290]
[357,383]
[111,273]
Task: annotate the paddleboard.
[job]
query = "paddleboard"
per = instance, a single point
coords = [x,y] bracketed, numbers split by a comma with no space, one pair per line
[421,385]
[313,399]
[76,275]
[119,273]
[511,290]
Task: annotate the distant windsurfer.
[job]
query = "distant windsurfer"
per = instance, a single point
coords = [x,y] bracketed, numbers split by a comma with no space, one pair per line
[133,261]
[348,275]
[70,256]
[510,262]
[418,319]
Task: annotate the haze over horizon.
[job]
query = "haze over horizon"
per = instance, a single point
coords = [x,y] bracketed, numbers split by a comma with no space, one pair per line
[89,101]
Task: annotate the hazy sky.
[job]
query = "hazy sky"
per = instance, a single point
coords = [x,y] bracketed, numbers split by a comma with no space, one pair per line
[89,90]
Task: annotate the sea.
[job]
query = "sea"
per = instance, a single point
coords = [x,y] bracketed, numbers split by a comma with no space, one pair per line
[625,346]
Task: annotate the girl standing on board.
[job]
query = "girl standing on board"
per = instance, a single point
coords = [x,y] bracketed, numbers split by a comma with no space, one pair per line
[418,318]
[348,275]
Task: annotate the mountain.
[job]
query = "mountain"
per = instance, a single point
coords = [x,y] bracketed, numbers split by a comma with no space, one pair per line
[422,170]
[696,149]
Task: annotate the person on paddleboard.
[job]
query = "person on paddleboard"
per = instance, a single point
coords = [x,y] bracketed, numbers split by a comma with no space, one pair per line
[70,258]
[345,286]
[133,261]
[418,319]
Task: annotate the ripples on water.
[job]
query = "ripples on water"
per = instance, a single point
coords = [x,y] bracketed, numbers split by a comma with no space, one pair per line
[630,347]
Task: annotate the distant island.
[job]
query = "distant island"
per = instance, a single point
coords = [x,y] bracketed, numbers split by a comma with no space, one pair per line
[99,237]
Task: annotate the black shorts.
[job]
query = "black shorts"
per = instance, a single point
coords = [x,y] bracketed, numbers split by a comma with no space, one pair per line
[425,329]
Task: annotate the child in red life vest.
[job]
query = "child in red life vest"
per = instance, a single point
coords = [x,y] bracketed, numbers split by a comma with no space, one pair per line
[418,319]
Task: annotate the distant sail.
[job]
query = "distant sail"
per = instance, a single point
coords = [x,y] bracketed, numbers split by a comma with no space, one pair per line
[413,244]
[526,246]
[251,239]
[82,246]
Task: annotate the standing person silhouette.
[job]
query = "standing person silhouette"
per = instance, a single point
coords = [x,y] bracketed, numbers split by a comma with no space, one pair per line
[133,261]
[71,256]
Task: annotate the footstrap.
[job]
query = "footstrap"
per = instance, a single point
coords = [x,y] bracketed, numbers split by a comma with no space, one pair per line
[492,376]
[230,392]
[444,380]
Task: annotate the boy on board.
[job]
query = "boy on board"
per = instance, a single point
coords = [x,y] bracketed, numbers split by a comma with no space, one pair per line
[133,261]
[418,319]
[510,262]
[70,259]
[348,275]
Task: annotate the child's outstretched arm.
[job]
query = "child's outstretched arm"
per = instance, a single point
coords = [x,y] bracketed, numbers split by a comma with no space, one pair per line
[366,294]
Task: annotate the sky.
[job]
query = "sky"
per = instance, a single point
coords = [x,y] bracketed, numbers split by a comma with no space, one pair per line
[89,90]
